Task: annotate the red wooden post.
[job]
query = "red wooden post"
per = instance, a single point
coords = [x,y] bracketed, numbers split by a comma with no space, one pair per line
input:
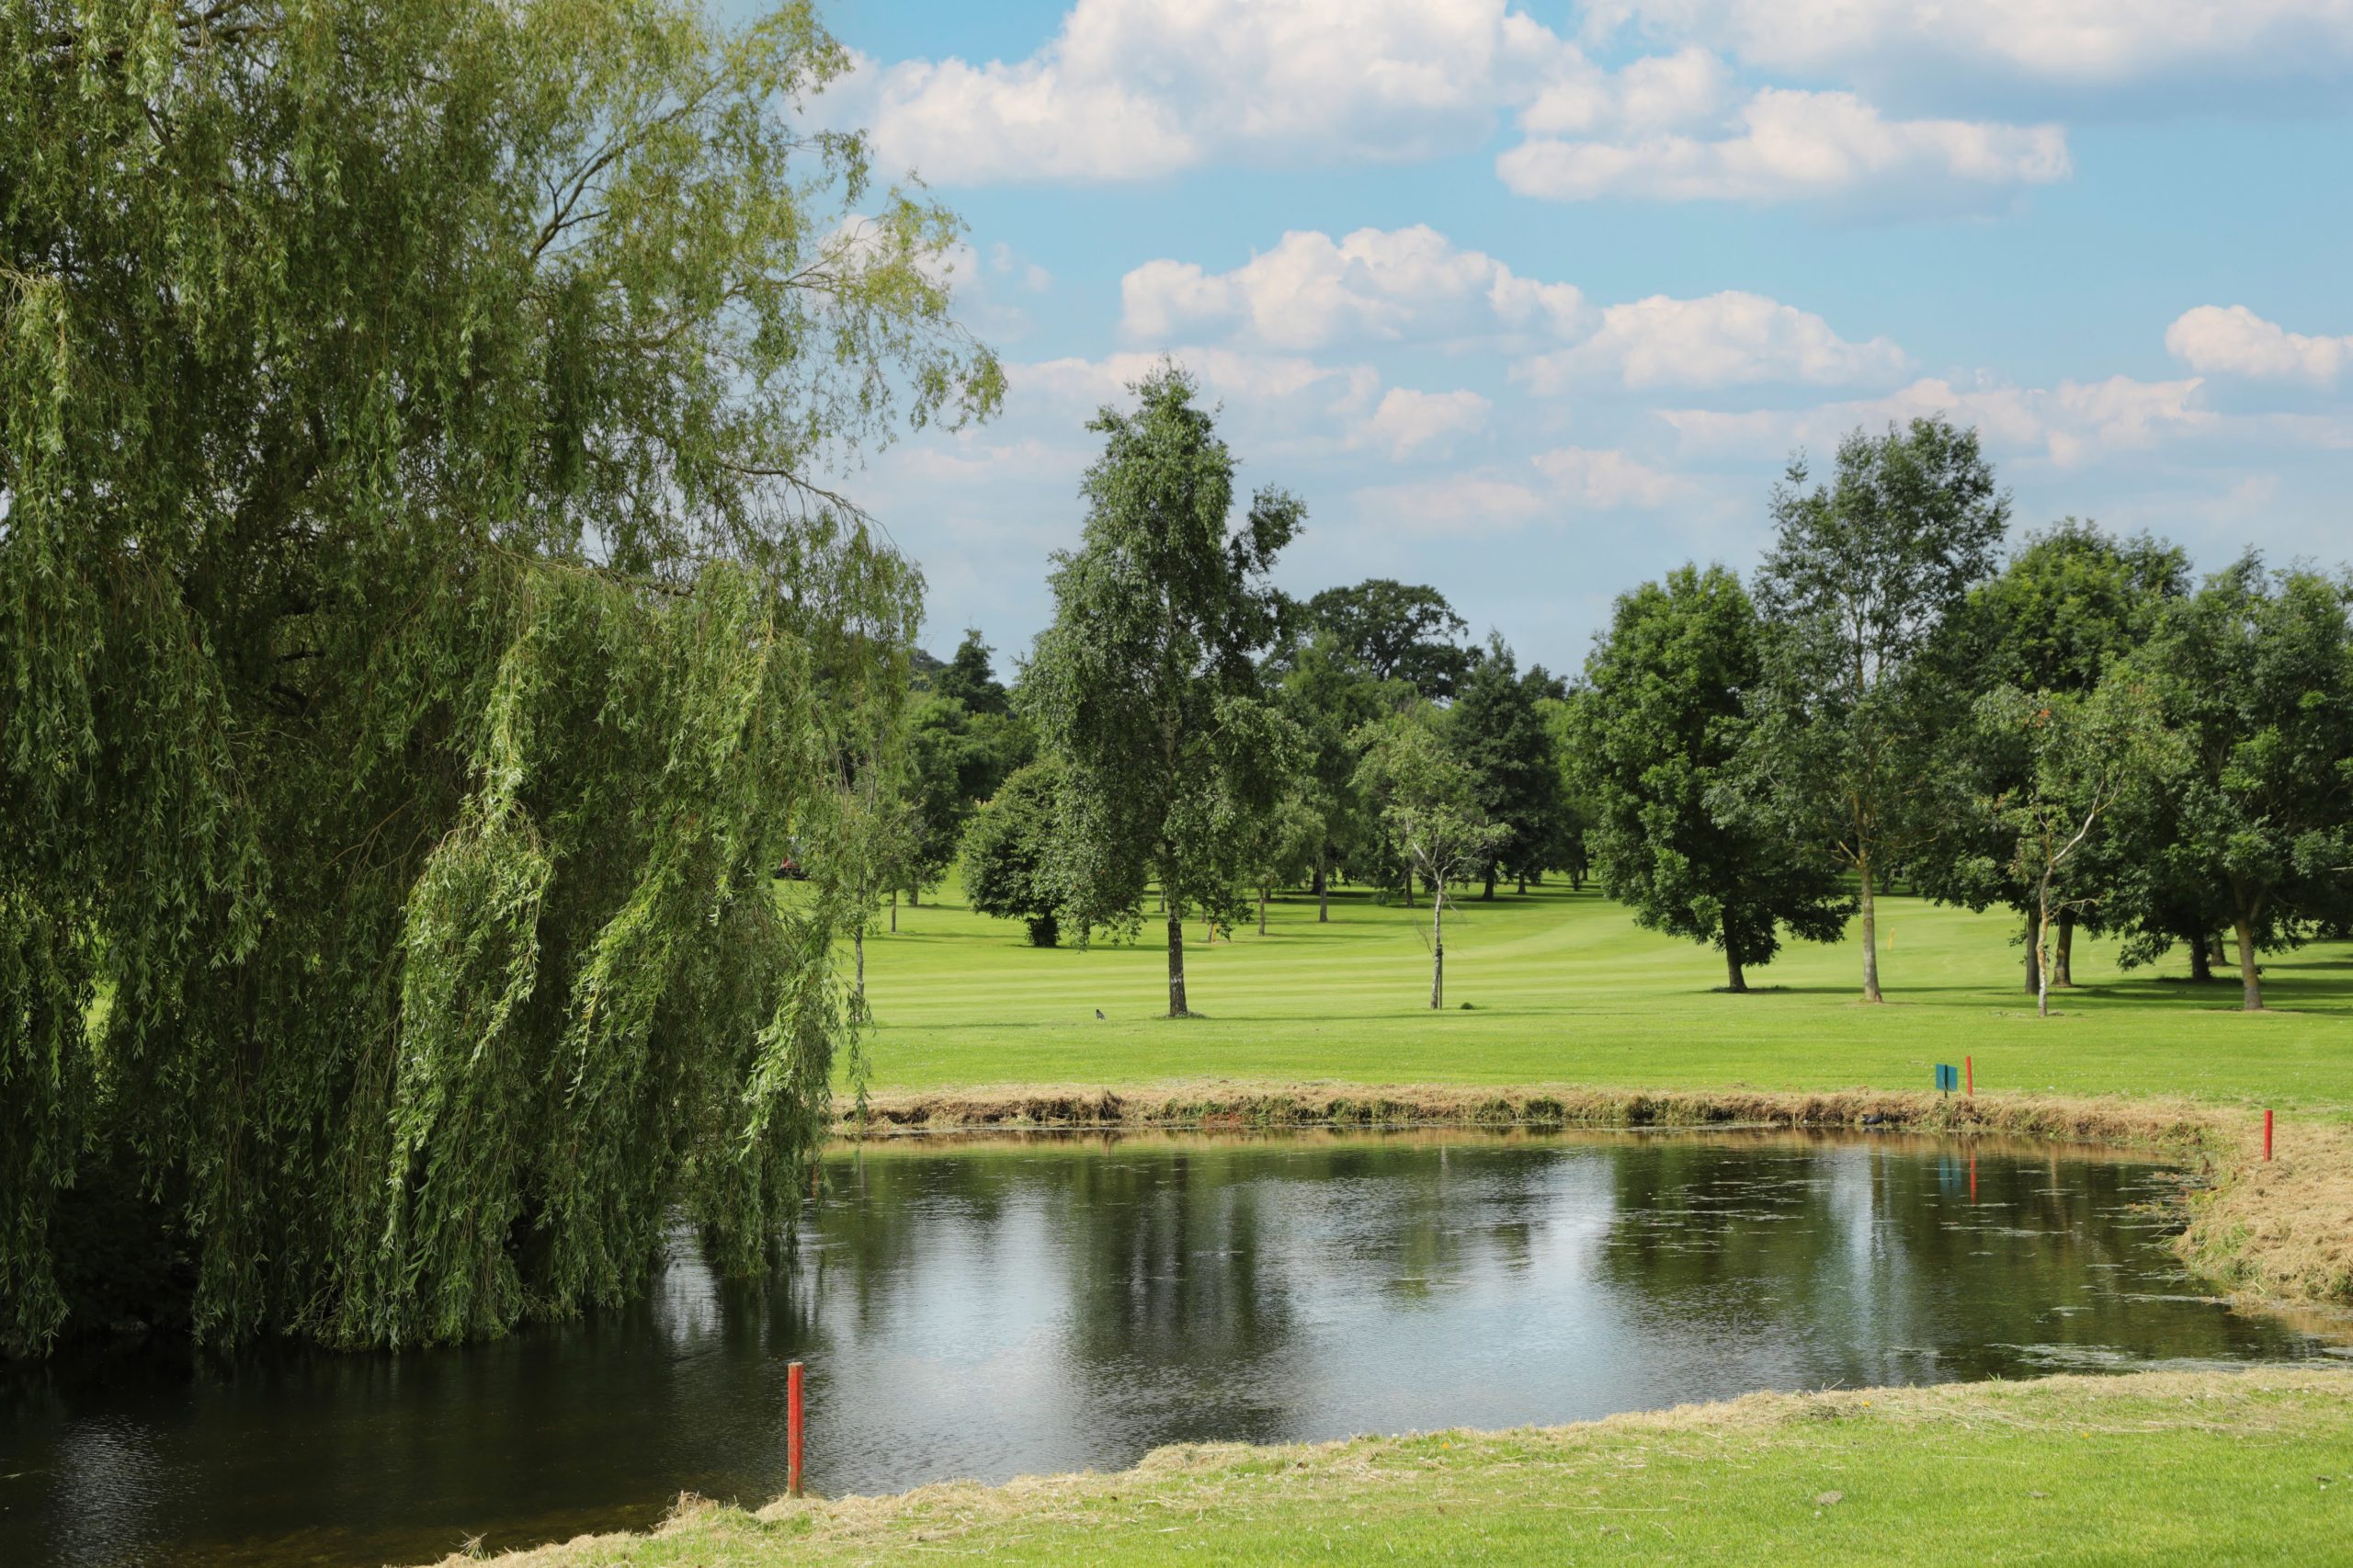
[1969,1071]
[1972,1177]
[2266,1134]
[792,1430]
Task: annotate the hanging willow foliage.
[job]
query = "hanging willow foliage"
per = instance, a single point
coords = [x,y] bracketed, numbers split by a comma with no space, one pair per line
[420,632]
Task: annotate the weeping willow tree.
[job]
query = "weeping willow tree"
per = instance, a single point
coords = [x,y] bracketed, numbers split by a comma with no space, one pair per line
[422,624]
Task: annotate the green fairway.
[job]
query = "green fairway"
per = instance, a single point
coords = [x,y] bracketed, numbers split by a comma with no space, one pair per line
[2155,1468]
[1564,988]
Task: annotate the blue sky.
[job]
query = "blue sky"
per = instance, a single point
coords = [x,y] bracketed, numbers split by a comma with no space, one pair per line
[1534,301]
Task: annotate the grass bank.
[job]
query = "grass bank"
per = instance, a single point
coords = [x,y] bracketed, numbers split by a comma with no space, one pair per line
[2278,1233]
[2209,1468]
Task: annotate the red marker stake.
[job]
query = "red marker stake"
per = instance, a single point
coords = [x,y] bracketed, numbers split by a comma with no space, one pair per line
[2267,1135]
[1969,1075]
[792,1430]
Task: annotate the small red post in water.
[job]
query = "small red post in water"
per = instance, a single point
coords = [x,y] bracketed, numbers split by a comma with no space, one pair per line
[1969,1077]
[2266,1134]
[792,1430]
[1972,1176]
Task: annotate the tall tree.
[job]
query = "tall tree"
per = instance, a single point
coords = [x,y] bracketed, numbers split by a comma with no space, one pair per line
[1497,730]
[969,679]
[1429,806]
[1147,684]
[1397,630]
[1657,736]
[1863,572]
[2259,673]
[966,742]
[418,591]
[1329,698]
[2084,755]
[2065,609]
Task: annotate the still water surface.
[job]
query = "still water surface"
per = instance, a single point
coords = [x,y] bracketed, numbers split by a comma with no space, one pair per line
[1006,1308]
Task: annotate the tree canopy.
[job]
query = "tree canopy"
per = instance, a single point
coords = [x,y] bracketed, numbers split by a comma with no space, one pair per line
[1147,684]
[1657,738]
[423,621]
[1395,631]
[1863,572]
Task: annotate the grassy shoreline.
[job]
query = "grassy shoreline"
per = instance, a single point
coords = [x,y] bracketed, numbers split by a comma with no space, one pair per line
[2278,1235]
[2209,1467]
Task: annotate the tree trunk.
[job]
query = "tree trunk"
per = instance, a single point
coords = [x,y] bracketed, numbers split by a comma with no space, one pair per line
[1734,980]
[2250,983]
[1871,935]
[1437,949]
[1176,967]
[2033,958]
[2043,956]
[1576,877]
[894,911]
[1523,884]
[2062,958]
[1323,896]
[857,942]
[2201,959]
[1489,894]
[1409,889]
[1262,909]
[915,896]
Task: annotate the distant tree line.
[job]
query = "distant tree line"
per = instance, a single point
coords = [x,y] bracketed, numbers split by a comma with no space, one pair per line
[2072,728]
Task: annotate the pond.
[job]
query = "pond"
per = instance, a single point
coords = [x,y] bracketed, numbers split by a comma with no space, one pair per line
[1008,1307]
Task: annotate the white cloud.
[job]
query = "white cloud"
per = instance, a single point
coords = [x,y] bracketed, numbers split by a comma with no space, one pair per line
[2057,42]
[1408,421]
[1311,292]
[1786,145]
[2069,423]
[1415,285]
[2215,340]
[1568,481]
[1133,88]
[1478,502]
[1610,481]
[1720,340]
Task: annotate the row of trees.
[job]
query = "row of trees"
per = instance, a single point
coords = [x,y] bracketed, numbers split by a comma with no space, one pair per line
[2077,732]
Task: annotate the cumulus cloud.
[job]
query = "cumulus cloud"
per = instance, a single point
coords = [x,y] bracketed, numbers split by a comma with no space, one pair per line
[1564,482]
[1416,286]
[1408,422]
[1609,480]
[1724,339]
[2057,42]
[1787,145]
[1133,88]
[1311,290]
[2069,423]
[1483,502]
[2235,341]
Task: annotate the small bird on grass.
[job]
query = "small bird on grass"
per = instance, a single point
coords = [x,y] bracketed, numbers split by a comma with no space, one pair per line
[1099,1012]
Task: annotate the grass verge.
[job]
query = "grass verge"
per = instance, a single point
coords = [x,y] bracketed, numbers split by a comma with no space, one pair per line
[2208,1468]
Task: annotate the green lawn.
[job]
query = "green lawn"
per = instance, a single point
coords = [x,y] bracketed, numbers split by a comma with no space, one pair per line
[1564,988]
[2247,1468]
